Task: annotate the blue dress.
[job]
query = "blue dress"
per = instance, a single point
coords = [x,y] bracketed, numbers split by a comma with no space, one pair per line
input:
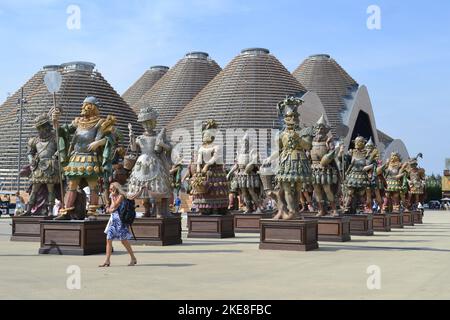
[115,230]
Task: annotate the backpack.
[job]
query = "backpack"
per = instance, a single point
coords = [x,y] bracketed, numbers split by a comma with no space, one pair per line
[127,212]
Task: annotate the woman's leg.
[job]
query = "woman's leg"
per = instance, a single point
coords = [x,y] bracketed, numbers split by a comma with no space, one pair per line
[108,253]
[127,246]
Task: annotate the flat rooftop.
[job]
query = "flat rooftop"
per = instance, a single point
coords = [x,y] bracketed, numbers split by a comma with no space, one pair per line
[414,264]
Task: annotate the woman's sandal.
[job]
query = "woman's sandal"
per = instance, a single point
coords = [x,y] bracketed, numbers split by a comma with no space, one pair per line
[104,265]
[132,263]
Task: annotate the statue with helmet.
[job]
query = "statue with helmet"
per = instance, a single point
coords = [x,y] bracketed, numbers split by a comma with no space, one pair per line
[88,146]
[325,174]
[44,168]
[416,182]
[394,171]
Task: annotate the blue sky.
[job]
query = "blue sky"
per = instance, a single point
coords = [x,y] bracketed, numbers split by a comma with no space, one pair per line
[405,65]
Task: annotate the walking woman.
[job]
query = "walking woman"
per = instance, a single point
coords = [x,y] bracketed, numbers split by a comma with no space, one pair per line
[115,230]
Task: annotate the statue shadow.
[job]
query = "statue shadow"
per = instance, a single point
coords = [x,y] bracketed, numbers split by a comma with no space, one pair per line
[53,249]
[334,248]
[189,251]
[168,265]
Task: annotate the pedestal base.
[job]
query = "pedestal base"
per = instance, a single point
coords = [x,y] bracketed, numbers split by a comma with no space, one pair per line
[382,222]
[27,228]
[417,217]
[408,219]
[396,220]
[79,238]
[214,226]
[361,224]
[336,229]
[157,231]
[291,235]
[248,223]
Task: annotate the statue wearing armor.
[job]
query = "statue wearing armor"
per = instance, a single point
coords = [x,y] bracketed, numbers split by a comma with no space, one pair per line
[90,141]
[357,178]
[210,187]
[293,165]
[42,156]
[375,177]
[416,182]
[150,179]
[247,178]
[324,170]
[394,173]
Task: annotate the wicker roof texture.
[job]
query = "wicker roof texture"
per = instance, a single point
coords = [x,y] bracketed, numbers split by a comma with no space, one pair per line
[179,86]
[324,76]
[143,84]
[243,95]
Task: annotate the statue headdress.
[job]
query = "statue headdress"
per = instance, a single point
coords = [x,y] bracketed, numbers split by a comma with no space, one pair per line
[41,120]
[289,106]
[147,113]
[209,124]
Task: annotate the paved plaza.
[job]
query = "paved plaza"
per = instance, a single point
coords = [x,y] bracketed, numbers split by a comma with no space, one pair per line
[413,262]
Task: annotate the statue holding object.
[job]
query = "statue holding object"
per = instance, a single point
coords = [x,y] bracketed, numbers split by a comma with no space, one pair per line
[416,181]
[395,174]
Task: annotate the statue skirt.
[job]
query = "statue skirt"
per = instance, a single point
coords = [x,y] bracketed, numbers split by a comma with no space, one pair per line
[84,166]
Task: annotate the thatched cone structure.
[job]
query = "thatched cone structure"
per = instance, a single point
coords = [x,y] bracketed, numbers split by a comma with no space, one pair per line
[143,84]
[179,86]
[243,96]
[79,81]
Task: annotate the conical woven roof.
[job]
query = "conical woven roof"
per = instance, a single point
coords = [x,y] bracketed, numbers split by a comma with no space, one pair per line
[179,86]
[244,95]
[324,76]
[143,84]
[79,80]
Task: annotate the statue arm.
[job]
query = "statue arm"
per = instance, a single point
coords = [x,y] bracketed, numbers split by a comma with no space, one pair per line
[233,169]
[31,150]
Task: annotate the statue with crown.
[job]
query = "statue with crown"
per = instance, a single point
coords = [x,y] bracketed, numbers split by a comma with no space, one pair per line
[87,147]
[150,178]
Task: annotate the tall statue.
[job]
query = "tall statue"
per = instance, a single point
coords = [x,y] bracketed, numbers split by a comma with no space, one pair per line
[395,174]
[247,178]
[324,170]
[294,168]
[43,159]
[357,178]
[88,144]
[210,187]
[375,176]
[416,181]
[150,179]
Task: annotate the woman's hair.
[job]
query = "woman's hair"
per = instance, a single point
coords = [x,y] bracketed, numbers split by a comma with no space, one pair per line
[119,189]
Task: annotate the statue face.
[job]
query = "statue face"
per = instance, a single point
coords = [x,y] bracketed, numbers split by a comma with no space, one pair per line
[360,144]
[209,136]
[149,125]
[89,110]
[44,130]
[395,159]
[289,120]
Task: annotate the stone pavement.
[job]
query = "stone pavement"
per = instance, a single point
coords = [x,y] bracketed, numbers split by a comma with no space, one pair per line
[414,264]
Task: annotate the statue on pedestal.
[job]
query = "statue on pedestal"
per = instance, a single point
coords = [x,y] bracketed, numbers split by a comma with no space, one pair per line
[416,181]
[43,159]
[294,168]
[88,144]
[375,176]
[394,173]
[324,170]
[210,187]
[247,178]
[357,179]
[150,179]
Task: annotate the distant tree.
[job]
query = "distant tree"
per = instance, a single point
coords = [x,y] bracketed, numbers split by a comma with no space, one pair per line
[434,187]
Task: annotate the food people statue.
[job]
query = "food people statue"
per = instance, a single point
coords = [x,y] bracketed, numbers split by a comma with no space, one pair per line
[357,178]
[43,159]
[150,179]
[394,173]
[376,179]
[88,143]
[294,168]
[324,170]
[247,178]
[416,181]
[209,184]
